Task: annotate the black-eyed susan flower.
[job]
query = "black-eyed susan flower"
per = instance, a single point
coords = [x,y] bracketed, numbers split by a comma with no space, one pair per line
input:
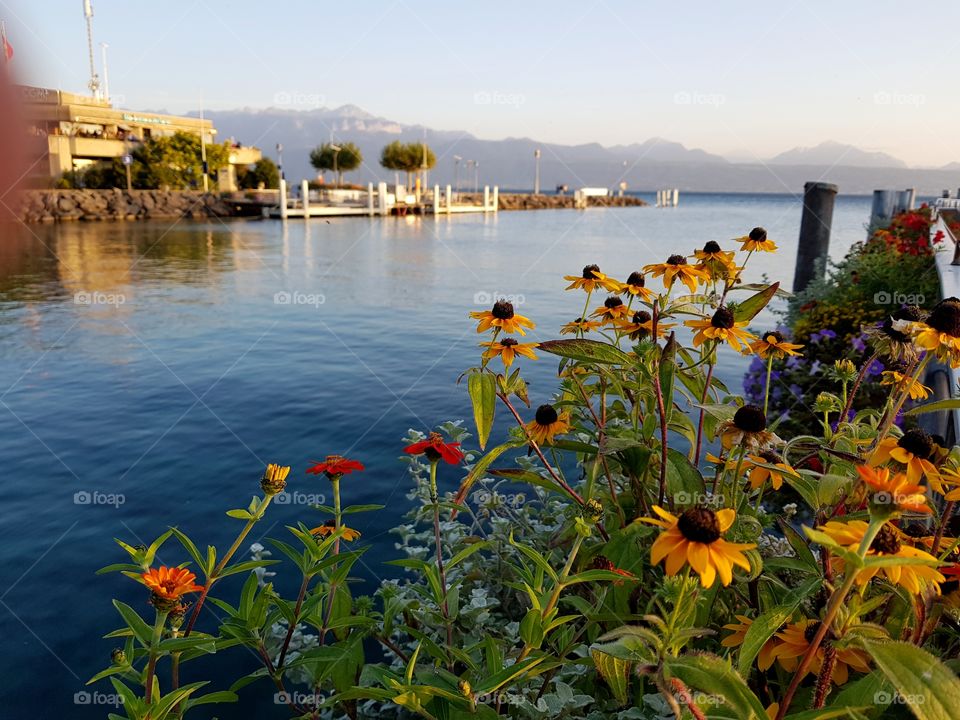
[640,326]
[508,349]
[580,326]
[891,343]
[274,478]
[759,474]
[887,543]
[722,327]
[503,317]
[773,344]
[613,309]
[695,537]
[636,286]
[718,263]
[547,423]
[913,449]
[794,641]
[330,527]
[757,240]
[435,448]
[676,268]
[168,584]
[893,492]
[335,467]
[738,631]
[915,389]
[748,428]
[591,279]
[940,333]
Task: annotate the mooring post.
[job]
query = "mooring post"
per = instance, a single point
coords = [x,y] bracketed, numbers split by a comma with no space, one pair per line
[486,198]
[496,198]
[882,209]
[382,198]
[305,195]
[370,199]
[283,199]
[449,199]
[815,223]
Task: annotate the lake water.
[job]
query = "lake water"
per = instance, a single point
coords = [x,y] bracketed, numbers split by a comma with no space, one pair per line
[184,376]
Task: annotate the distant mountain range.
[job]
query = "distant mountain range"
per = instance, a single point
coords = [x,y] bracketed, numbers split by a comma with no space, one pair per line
[509,163]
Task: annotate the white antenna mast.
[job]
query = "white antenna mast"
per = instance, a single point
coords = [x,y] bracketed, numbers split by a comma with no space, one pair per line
[94,83]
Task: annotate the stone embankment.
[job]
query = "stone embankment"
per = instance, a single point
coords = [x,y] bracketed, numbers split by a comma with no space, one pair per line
[40,206]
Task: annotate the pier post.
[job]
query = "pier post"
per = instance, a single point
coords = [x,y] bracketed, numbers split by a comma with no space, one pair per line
[486,198]
[382,198]
[449,201]
[370,199]
[676,197]
[436,199]
[305,198]
[815,224]
[496,199]
[283,199]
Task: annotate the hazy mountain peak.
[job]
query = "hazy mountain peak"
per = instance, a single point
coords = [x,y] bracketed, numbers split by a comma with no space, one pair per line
[831,152]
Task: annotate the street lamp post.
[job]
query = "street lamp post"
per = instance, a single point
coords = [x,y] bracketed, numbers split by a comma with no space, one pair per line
[280,160]
[536,179]
[476,176]
[336,153]
[456,172]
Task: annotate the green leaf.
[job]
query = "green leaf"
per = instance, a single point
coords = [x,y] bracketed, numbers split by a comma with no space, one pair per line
[770,621]
[927,686]
[715,676]
[239,514]
[483,394]
[584,350]
[666,371]
[141,629]
[361,508]
[948,404]
[615,672]
[499,679]
[685,484]
[749,308]
[531,628]
[480,467]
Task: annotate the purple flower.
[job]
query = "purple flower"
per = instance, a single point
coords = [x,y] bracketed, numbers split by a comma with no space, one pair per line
[814,367]
[875,368]
[858,344]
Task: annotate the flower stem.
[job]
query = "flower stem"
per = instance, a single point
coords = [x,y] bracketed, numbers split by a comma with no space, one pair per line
[152,661]
[435,499]
[766,387]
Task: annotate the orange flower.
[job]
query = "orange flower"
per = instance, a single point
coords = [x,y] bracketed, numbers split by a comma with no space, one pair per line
[613,309]
[894,490]
[503,317]
[508,349]
[169,583]
[913,449]
[335,466]
[591,279]
[676,268]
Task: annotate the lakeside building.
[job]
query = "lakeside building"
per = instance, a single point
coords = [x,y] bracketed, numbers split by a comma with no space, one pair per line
[71,132]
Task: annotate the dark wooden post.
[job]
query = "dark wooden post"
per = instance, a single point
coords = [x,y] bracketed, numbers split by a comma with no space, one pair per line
[815,223]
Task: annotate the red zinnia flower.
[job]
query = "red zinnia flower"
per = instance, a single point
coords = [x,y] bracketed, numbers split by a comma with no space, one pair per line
[169,583]
[435,448]
[335,466]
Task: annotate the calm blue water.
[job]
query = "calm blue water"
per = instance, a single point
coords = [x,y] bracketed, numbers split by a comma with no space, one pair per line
[176,398]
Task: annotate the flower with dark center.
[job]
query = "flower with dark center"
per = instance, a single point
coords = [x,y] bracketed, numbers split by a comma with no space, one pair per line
[718,264]
[773,344]
[436,449]
[909,313]
[747,428]
[330,527]
[640,326]
[695,537]
[940,333]
[890,342]
[793,642]
[760,474]
[508,349]
[722,326]
[711,247]
[168,584]
[676,268]
[635,286]
[547,423]
[738,633]
[893,493]
[335,467]
[613,309]
[502,317]
[913,450]
[915,389]
[580,326]
[591,279]
[915,578]
[757,240]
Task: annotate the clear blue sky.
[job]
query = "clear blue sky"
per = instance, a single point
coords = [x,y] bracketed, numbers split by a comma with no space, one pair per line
[744,79]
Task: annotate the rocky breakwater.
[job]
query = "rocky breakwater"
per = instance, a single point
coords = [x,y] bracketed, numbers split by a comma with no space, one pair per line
[40,206]
[528,201]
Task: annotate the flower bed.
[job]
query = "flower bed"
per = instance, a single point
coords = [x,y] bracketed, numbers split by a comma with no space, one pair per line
[597,561]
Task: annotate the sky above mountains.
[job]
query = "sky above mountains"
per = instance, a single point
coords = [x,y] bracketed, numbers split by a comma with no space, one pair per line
[746,80]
